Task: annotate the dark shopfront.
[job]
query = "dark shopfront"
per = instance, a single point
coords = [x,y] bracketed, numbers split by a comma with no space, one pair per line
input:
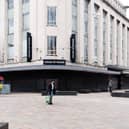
[67,78]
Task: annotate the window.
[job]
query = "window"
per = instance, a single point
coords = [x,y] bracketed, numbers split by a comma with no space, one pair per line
[74,16]
[74,2]
[51,48]
[26,22]
[85,31]
[11,39]
[10,17]
[25,1]
[10,55]
[10,4]
[10,51]
[26,26]
[51,16]
[11,26]
[25,14]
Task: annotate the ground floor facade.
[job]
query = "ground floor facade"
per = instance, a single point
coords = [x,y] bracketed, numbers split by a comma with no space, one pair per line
[38,80]
[67,77]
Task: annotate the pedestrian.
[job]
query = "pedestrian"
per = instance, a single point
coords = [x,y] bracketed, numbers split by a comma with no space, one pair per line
[110,86]
[51,91]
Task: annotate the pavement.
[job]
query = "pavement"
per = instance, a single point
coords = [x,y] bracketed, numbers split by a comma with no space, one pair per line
[85,111]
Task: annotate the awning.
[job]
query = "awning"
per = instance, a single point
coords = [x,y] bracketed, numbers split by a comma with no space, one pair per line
[117,68]
[125,72]
[60,67]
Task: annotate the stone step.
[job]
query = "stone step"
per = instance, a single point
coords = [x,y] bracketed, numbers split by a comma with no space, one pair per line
[120,94]
[62,93]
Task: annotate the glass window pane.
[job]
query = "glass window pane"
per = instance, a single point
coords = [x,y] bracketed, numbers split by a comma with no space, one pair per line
[11,39]
[74,2]
[10,26]
[51,15]
[10,13]
[51,45]
[24,46]
[74,16]
[25,1]
[10,52]
[26,22]
[25,8]
[10,4]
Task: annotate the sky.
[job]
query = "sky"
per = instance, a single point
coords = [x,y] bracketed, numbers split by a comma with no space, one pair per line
[125,2]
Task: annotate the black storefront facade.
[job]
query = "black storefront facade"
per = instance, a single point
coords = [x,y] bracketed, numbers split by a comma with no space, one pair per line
[35,78]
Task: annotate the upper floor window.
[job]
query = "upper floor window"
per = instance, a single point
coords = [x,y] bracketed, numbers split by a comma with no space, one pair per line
[74,16]
[51,48]
[74,2]
[25,1]
[25,14]
[10,4]
[52,16]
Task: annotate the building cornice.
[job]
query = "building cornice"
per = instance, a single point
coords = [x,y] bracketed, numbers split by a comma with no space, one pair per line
[116,9]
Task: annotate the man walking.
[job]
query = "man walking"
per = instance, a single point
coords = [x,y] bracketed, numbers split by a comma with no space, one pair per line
[51,91]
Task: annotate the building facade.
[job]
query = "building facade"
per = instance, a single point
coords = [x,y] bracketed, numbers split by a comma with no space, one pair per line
[78,43]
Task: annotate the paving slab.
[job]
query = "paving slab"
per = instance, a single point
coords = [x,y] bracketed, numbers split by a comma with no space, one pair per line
[84,111]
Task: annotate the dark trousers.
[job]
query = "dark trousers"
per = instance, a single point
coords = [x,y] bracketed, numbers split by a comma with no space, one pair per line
[50,98]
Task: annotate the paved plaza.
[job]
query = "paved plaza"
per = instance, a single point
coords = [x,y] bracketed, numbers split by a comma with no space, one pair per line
[85,111]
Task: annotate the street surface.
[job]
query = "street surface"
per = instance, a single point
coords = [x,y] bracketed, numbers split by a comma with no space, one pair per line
[85,111]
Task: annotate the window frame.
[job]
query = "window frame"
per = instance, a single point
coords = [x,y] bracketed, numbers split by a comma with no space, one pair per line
[53,20]
[53,45]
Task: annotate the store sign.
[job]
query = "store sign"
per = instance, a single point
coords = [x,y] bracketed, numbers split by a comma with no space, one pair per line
[54,62]
[73,48]
[29,47]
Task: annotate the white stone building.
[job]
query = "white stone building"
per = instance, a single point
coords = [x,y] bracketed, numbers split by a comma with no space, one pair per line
[87,34]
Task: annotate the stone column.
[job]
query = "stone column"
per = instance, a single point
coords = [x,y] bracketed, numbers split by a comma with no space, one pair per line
[41,32]
[33,27]
[114,45]
[17,29]
[68,22]
[91,32]
[81,31]
[125,46]
[3,31]
[107,61]
[120,45]
[100,38]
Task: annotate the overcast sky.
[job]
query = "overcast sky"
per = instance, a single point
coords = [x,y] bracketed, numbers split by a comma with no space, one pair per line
[125,2]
